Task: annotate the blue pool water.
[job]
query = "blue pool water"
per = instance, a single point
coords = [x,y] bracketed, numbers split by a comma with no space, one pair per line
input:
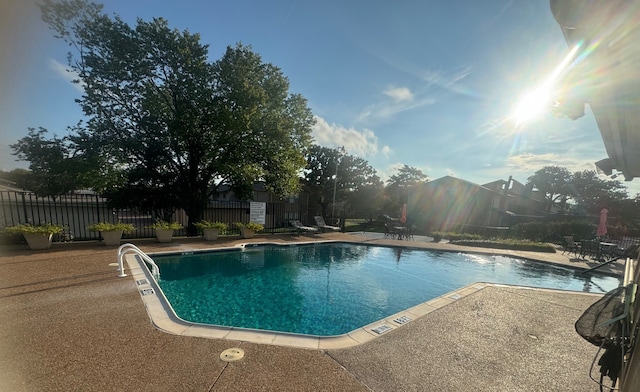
[331,289]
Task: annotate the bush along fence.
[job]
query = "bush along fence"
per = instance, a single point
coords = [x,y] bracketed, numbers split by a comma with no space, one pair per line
[76,212]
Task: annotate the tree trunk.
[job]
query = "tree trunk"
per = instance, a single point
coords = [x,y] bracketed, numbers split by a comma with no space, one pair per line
[324,208]
[195,211]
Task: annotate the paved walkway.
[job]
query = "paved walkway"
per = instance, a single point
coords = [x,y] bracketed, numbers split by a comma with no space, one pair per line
[67,323]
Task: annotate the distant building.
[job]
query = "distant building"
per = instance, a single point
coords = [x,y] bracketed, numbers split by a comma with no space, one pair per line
[453,204]
[9,186]
[259,193]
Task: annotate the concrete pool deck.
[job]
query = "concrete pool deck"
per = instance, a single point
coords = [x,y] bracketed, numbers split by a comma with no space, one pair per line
[69,323]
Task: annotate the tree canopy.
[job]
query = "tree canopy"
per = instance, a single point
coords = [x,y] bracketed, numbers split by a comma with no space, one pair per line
[56,165]
[399,186]
[588,192]
[553,183]
[330,169]
[594,193]
[406,177]
[173,124]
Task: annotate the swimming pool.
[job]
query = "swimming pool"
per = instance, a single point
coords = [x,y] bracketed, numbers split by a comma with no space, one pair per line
[330,289]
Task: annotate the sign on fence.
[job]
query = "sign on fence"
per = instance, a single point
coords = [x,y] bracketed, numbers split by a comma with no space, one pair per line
[258,212]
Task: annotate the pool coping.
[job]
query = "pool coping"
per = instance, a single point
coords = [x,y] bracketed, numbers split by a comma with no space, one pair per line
[164,318]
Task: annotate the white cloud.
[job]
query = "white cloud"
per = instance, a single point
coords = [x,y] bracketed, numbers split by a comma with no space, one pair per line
[530,163]
[388,171]
[449,82]
[400,99]
[67,74]
[384,110]
[363,143]
[399,94]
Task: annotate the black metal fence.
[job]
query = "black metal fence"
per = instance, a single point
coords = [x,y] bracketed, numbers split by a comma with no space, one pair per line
[75,212]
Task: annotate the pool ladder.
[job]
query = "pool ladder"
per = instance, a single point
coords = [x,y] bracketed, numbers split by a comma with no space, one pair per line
[130,248]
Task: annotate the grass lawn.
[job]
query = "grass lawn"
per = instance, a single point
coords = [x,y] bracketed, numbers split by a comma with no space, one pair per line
[351,225]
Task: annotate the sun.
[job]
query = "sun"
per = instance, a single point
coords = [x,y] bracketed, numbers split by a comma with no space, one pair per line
[532,105]
[539,100]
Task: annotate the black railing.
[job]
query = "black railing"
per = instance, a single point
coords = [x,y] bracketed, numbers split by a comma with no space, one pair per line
[77,211]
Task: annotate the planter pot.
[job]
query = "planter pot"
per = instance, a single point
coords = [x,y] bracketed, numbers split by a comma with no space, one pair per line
[211,233]
[38,240]
[246,233]
[112,237]
[164,235]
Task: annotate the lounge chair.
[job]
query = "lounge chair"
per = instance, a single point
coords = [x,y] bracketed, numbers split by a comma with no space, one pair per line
[323,226]
[300,228]
[625,243]
[631,252]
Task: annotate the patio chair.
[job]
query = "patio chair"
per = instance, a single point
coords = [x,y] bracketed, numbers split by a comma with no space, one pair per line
[590,248]
[411,229]
[300,228]
[570,245]
[323,226]
[390,231]
[404,233]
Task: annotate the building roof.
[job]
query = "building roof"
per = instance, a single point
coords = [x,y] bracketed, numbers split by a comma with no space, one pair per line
[10,186]
[450,179]
[606,75]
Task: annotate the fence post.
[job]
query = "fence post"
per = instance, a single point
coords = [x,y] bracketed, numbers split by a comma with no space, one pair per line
[24,207]
[98,208]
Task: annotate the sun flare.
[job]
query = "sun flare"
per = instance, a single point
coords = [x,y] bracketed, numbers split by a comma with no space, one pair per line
[536,101]
[532,104]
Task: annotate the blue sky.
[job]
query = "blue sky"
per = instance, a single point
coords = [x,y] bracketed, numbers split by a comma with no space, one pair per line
[429,84]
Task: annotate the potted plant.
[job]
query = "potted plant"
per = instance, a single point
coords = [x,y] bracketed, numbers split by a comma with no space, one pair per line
[211,230]
[37,236]
[112,232]
[164,230]
[248,230]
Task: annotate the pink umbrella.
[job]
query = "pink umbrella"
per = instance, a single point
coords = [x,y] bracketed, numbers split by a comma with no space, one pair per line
[602,226]
[403,216]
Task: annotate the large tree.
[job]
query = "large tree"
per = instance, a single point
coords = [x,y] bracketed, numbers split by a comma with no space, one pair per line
[56,165]
[594,193]
[331,170]
[554,184]
[174,124]
[399,186]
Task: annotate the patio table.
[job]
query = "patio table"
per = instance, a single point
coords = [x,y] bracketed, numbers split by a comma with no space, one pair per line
[403,232]
[606,250]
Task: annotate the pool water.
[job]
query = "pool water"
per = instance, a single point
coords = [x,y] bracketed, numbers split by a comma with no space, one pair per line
[334,288]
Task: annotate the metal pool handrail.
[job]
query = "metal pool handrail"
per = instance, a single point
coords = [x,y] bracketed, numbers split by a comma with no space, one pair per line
[127,248]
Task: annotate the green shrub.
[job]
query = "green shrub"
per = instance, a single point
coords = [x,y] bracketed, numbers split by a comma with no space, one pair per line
[160,224]
[453,236]
[46,228]
[551,231]
[106,226]
[534,231]
[255,227]
[205,224]
[509,244]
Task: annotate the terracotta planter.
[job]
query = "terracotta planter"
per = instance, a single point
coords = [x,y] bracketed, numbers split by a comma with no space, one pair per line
[164,235]
[111,237]
[246,233]
[210,233]
[38,240]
